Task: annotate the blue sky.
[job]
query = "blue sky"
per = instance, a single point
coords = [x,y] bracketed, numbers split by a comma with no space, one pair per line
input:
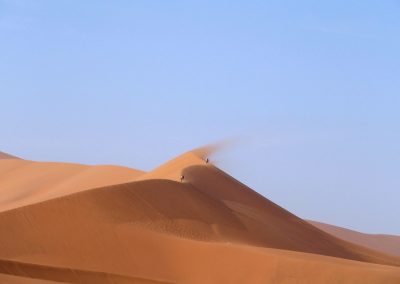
[310,89]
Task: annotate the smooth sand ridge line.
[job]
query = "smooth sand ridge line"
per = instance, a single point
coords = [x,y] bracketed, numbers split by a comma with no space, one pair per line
[7,156]
[69,275]
[25,182]
[388,244]
[173,169]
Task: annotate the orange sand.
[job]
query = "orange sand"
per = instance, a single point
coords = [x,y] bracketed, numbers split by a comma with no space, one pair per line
[385,243]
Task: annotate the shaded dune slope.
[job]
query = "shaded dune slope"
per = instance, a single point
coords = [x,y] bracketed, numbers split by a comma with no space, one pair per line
[29,272]
[269,225]
[388,244]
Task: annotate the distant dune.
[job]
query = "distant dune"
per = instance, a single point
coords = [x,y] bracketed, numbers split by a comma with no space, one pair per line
[25,182]
[184,222]
[7,156]
[385,243]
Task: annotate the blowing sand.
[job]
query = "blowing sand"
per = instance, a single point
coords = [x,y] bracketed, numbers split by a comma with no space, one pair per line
[105,224]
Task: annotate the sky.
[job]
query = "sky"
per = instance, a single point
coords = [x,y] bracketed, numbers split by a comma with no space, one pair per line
[309,91]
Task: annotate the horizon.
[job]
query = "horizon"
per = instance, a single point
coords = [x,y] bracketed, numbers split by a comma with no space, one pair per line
[308,91]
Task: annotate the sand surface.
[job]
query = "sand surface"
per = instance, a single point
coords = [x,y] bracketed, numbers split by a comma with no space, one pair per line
[25,182]
[388,244]
[72,223]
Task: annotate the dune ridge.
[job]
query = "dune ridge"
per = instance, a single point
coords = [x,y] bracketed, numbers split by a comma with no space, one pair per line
[25,182]
[7,156]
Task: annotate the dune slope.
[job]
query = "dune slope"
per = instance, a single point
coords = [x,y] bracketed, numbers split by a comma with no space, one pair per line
[388,244]
[130,232]
[25,182]
[262,222]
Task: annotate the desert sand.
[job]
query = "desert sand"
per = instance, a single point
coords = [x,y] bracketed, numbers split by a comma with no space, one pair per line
[388,244]
[25,182]
[74,223]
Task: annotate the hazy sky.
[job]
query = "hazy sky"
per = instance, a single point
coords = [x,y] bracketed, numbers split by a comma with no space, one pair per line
[311,89]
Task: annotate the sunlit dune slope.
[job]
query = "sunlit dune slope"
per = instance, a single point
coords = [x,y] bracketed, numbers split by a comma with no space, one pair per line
[385,243]
[174,169]
[25,182]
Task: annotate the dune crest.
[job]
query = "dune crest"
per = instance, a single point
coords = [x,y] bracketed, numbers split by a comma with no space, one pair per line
[174,169]
[7,156]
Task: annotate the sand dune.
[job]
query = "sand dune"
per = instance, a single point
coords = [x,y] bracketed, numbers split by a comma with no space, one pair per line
[82,236]
[174,169]
[258,221]
[385,243]
[25,182]
[143,255]
[210,228]
[7,156]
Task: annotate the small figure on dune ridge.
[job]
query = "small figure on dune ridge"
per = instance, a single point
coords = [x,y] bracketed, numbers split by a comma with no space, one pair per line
[207,160]
[182,178]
